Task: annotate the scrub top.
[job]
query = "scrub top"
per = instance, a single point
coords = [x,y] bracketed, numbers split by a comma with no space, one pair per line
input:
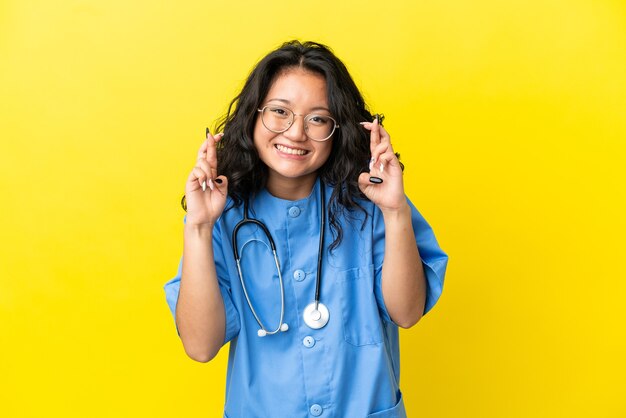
[350,367]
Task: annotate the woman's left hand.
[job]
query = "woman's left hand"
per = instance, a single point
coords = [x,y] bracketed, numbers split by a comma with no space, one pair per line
[388,195]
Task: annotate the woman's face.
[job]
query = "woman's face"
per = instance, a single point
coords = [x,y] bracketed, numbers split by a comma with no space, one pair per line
[291,156]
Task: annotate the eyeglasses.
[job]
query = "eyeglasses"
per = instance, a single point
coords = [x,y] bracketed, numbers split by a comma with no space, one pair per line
[317,127]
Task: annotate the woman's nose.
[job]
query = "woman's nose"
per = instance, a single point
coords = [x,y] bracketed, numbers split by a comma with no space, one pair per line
[296,131]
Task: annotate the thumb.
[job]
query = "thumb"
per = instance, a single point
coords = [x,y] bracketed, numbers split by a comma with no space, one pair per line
[364,181]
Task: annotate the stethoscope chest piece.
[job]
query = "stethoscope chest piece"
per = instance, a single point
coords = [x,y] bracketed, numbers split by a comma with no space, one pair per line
[316,318]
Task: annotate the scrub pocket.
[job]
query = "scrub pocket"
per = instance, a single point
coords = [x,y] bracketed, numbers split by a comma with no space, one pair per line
[397,411]
[360,317]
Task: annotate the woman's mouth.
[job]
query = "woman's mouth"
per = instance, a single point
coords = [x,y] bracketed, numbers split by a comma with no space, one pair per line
[292,151]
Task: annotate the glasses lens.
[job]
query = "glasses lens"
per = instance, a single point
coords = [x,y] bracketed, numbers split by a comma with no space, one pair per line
[319,127]
[277,118]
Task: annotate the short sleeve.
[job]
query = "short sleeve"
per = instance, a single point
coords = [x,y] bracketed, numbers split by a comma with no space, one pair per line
[172,288]
[433,258]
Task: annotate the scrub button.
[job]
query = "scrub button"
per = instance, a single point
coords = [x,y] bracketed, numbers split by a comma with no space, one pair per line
[316,410]
[294,211]
[308,341]
[299,275]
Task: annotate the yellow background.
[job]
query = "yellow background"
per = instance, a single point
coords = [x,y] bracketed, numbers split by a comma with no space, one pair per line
[510,117]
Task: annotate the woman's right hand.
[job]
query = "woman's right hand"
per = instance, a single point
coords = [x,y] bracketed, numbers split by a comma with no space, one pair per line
[206,204]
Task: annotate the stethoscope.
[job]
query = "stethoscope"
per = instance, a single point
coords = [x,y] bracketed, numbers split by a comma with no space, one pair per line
[316,314]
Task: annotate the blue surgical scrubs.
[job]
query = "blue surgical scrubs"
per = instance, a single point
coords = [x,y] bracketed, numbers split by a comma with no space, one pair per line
[350,367]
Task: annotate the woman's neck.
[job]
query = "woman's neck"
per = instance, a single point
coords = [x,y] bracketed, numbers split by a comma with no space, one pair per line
[289,188]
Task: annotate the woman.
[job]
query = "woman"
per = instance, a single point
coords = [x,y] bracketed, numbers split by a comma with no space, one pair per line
[314,330]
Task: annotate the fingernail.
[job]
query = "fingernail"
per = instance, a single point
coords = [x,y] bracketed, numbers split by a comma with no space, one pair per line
[207,131]
[211,185]
[204,186]
[219,136]
[364,123]
[371,164]
[218,181]
[382,167]
[375,180]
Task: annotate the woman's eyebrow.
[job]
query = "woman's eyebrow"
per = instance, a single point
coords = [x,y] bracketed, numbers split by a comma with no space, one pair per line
[280,100]
[287,102]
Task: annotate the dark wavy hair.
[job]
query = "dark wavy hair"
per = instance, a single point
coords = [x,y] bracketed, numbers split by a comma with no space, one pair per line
[239,160]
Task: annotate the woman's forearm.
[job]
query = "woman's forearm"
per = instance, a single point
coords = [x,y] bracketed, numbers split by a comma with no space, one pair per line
[403,278]
[200,313]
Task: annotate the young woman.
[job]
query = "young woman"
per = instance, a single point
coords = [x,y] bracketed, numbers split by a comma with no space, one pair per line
[301,248]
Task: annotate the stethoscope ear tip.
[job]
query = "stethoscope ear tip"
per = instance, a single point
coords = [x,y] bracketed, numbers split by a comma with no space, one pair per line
[262,333]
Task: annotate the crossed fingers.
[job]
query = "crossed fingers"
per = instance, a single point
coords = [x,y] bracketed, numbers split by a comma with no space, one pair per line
[205,170]
[382,153]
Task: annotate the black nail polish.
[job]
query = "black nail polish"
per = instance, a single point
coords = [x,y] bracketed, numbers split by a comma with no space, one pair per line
[207,132]
[375,180]
[218,181]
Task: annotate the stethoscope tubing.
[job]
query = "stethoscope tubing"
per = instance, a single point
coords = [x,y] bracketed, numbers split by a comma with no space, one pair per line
[318,282]
[320,250]
[282,298]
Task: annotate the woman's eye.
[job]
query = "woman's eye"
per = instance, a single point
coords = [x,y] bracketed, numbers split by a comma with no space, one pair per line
[319,120]
[279,111]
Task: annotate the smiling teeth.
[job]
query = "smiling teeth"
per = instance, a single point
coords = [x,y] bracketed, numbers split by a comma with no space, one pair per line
[292,151]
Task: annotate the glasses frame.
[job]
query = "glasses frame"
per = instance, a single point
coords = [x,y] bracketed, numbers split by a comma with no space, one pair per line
[293,117]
